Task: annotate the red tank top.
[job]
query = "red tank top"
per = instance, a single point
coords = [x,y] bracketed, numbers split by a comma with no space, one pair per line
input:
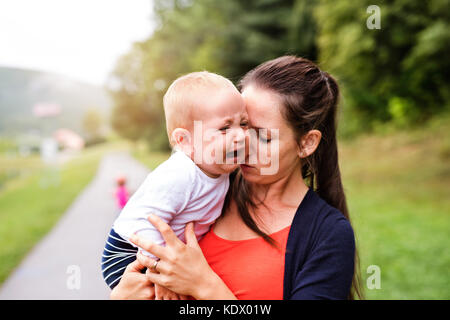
[252,269]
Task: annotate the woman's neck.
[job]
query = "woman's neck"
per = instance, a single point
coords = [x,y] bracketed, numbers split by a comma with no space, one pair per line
[286,191]
[280,201]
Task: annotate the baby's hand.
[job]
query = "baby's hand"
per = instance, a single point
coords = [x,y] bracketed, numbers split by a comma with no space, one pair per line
[162,293]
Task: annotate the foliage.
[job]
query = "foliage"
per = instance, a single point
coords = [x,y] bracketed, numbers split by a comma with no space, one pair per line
[397,74]
[92,125]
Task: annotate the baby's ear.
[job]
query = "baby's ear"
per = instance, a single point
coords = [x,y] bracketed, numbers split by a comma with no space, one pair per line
[182,138]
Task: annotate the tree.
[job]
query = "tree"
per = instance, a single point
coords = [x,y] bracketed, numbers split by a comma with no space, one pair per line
[394,73]
[92,124]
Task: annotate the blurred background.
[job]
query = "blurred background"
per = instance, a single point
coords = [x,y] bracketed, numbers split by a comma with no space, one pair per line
[81,87]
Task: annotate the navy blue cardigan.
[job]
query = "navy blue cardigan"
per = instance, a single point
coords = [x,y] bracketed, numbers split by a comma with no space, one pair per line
[320,252]
[319,261]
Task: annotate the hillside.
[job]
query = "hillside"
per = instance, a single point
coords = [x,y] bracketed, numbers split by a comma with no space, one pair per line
[22,90]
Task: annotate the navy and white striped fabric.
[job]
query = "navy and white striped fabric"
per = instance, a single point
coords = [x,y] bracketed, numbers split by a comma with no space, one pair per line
[117,255]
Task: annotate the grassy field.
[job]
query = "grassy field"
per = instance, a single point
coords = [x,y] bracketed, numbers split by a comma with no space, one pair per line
[397,185]
[33,201]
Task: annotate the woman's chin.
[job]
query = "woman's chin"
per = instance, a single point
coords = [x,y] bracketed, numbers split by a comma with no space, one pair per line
[249,173]
[253,174]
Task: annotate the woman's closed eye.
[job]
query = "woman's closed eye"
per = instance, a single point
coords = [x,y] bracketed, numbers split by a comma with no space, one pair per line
[264,135]
[264,139]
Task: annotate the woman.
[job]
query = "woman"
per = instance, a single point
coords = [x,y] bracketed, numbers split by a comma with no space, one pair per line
[277,238]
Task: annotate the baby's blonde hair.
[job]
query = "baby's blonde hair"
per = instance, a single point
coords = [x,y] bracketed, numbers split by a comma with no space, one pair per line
[182,97]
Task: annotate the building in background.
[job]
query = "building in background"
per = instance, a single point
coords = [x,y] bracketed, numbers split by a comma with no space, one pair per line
[68,139]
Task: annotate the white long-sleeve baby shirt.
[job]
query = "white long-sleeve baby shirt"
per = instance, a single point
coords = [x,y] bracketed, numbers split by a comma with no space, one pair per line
[177,191]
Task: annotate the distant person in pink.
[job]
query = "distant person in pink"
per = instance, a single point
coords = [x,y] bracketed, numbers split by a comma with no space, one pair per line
[121,192]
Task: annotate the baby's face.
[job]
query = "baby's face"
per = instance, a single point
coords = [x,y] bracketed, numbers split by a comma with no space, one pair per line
[220,124]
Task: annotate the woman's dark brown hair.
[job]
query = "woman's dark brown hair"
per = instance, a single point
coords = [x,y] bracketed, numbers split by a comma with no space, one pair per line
[310,99]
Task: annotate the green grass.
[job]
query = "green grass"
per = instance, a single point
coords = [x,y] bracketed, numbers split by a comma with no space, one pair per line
[29,208]
[397,186]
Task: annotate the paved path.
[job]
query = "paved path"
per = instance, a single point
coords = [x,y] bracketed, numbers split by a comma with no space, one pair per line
[75,244]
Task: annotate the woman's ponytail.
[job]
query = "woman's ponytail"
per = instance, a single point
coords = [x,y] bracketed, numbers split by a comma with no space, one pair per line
[325,162]
[325,171]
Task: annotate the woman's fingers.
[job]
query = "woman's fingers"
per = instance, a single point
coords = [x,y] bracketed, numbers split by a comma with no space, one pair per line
[148,246]
[154,277]
[133,285]
[135,266]
[191,238]
[166,231]
[161,267]
[146,261]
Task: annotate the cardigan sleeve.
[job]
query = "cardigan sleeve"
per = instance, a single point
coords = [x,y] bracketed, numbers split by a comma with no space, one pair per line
[328,270]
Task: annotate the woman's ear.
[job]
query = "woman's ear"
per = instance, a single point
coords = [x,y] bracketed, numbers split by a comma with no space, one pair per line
[182,138]
[309,143]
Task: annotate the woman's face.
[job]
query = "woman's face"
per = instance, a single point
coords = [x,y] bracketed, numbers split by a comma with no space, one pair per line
[282,156]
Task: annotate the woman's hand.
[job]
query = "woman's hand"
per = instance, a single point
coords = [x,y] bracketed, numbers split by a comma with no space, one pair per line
[134,285]
[182,268]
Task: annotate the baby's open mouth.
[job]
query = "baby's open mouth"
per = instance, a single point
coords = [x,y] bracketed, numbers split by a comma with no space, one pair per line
[235,154]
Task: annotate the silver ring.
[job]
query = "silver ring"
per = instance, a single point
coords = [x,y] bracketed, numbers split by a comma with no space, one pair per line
[155,264]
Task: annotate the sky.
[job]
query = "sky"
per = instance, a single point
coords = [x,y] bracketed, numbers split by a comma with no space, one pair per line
[81,39]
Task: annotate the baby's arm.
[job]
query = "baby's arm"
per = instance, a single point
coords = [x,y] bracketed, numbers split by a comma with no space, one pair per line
[133,220]
[165,193]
